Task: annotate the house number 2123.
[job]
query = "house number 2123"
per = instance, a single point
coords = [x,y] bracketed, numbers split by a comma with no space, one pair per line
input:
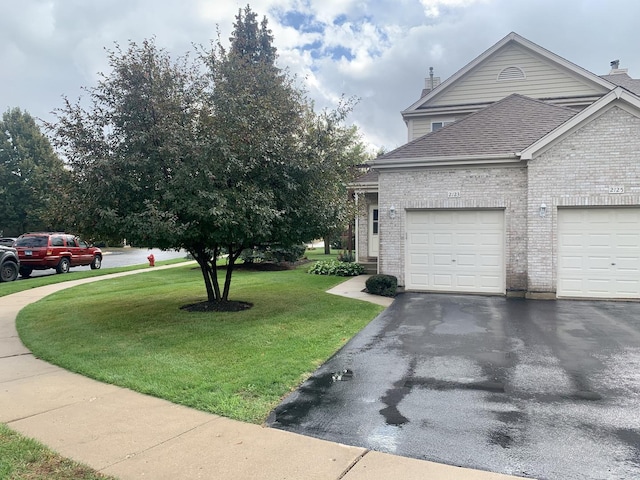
[454,194]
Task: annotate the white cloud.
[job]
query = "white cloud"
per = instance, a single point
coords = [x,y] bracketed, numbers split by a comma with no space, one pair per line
[53,47]
[432,8]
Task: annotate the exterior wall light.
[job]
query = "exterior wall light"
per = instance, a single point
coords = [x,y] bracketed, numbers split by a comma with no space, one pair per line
[392,212]
[543,210]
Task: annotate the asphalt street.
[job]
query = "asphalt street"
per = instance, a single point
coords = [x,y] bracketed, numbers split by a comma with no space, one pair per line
[542,389]
[120,257]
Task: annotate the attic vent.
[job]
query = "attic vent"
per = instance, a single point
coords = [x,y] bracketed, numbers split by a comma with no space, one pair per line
[511,73]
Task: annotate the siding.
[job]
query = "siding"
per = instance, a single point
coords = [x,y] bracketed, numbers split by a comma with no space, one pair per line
[421,126]
[578,171]
[543,80]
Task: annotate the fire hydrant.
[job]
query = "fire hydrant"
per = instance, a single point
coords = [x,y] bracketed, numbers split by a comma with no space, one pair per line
[152,260]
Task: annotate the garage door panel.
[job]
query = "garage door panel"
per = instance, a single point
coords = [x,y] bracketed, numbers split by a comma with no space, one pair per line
[465,251]
[418,259]
[468,281]
[442,239]
[419,239]
[492,261]
[442,260]
[627,240]
[419,279]
[594,263]
[491,240]
[466,239]
[628,265]
[599,240]
[443,281]
[470,261]
[599,252]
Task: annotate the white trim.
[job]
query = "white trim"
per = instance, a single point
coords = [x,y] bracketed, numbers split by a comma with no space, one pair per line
[371,234]
[512,37]
[410,162]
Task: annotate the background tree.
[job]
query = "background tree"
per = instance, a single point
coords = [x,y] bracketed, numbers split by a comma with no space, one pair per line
[212,157]
[32,177]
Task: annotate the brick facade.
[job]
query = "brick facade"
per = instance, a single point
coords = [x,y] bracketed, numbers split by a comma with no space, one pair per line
[575,172]
[502,188]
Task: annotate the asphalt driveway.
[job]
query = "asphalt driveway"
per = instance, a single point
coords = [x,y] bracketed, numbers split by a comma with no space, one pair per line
[543,389]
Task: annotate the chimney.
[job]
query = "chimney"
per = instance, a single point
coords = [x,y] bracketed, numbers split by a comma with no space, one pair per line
[430,82]
[615,70]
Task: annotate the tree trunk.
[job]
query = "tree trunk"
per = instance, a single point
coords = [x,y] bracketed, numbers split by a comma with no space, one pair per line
[233,256]
[209,273]
[327,245]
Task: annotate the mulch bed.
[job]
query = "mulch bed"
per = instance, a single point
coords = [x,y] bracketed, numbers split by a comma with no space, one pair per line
[230,306]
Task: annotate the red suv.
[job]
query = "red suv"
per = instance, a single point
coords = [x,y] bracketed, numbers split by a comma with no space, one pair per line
[43,250]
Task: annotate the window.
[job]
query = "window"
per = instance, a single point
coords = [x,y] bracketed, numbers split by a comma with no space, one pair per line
[57,241]
[374,225]
[435,126]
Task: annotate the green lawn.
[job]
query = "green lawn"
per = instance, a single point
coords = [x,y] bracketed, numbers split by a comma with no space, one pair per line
[7,288]
[23,458]
[131,332]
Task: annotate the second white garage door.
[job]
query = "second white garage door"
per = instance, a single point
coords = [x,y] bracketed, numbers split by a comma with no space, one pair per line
[455,251]
[599,252]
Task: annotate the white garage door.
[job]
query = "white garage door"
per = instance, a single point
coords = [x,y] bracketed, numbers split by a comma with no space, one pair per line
[599,253]
[455,251]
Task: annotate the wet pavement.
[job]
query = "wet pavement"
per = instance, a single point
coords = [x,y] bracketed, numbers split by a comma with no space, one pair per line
[542,389]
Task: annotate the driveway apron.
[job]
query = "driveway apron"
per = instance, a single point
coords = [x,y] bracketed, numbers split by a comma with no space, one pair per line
[544,389]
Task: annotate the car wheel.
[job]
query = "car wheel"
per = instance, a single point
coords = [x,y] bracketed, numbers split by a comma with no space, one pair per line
[8,272]
[97,263]
[63,266]
[25,272]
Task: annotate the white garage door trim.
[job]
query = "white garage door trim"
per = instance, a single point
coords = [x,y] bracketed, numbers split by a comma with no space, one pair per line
[599,252]
[458,251]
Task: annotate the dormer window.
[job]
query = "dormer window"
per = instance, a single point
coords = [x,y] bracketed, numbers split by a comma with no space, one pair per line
[511,73]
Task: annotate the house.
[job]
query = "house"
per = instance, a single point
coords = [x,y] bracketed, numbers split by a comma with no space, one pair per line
[521,176]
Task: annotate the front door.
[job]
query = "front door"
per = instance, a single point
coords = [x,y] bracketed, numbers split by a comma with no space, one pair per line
[373,231]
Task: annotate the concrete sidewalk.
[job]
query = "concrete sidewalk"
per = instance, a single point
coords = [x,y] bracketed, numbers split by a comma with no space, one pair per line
[130,436]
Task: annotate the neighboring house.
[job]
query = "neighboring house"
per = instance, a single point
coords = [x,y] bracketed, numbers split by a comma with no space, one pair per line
[534,189]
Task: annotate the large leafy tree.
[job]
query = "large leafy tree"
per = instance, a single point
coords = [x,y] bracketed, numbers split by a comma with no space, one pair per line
[214,157]
[32,177]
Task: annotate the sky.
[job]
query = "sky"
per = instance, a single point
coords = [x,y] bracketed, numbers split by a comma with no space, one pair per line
[378,51]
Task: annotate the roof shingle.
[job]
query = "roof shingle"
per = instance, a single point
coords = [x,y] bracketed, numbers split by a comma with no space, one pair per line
[505,127]
[625,81]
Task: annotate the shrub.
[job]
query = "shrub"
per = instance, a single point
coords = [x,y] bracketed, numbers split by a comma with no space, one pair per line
[273,253]
[334,267]
[385,285]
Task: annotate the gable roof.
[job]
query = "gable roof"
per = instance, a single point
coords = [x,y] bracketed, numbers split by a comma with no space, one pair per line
[523,42]
[624,80]
[492,134]
[367,181]
[617,97]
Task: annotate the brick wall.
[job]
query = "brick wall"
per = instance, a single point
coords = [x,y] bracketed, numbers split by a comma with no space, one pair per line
[496,187]
[577,172]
